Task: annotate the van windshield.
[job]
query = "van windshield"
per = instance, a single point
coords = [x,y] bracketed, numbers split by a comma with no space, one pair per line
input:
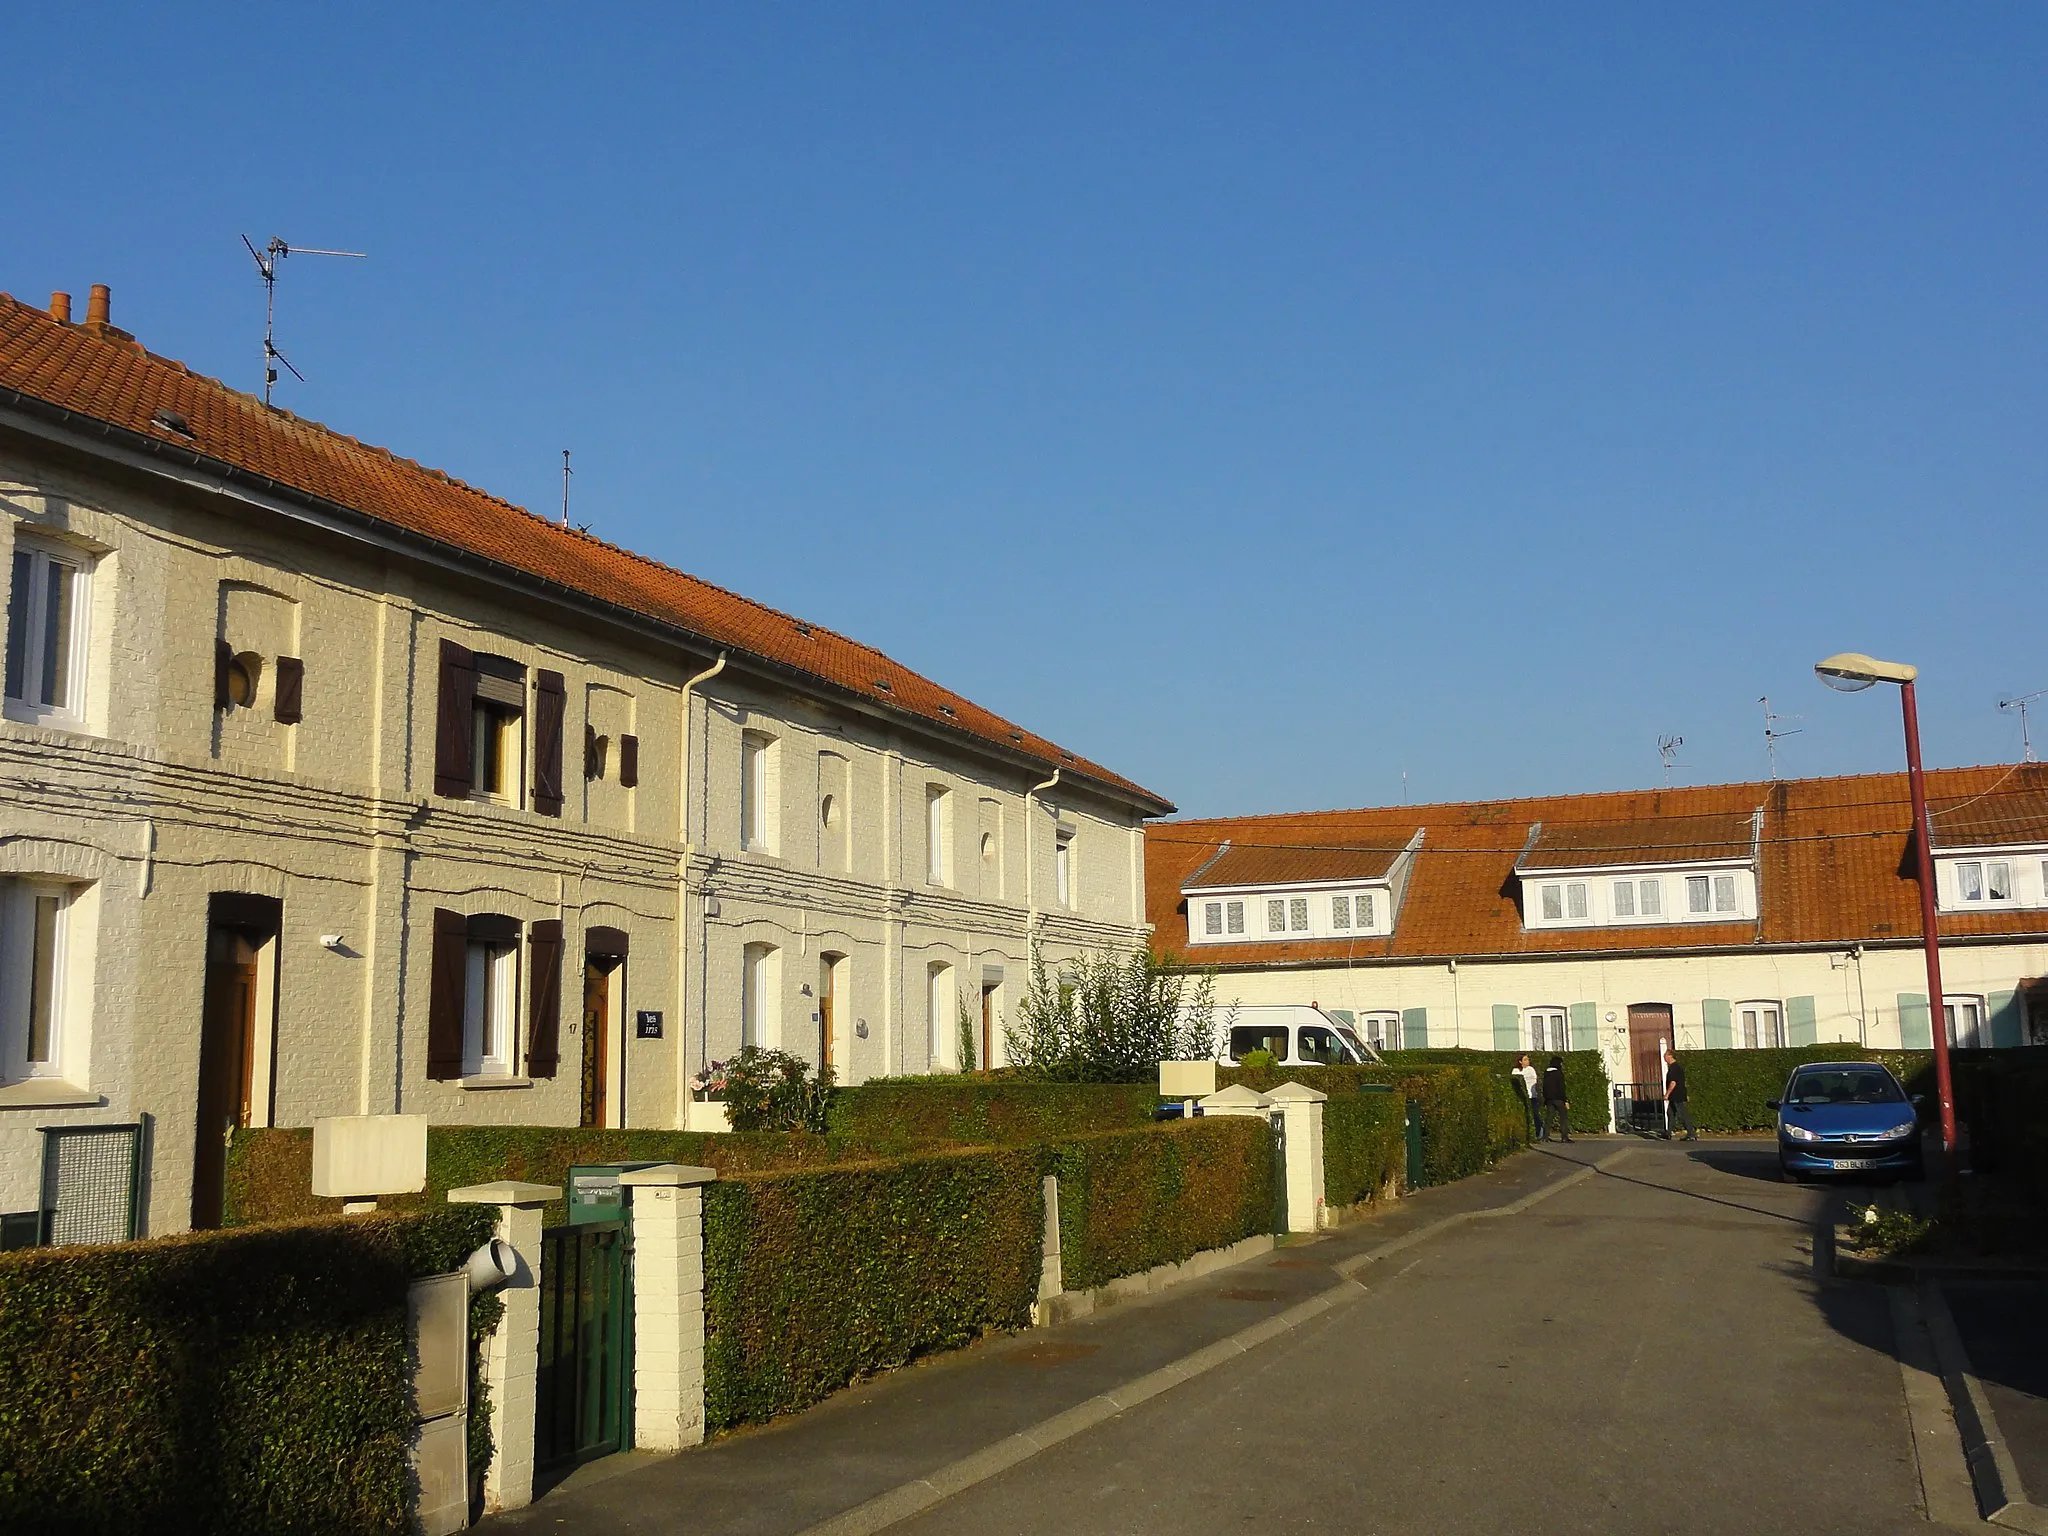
[1321,1046]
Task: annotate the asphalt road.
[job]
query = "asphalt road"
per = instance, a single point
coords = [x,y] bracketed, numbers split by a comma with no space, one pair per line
[1647,1351]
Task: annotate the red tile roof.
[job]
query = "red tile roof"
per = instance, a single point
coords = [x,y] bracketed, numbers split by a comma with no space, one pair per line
[1292,866]
[1684,840]
[1833,865]
[104,376]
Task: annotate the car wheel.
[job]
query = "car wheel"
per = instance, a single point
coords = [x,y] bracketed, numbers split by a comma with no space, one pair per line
[1786,1172]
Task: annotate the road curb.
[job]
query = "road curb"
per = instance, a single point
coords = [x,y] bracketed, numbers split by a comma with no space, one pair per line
[920,1494]
[2001,1496]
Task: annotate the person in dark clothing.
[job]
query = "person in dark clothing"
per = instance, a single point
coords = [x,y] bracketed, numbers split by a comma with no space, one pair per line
[1524,1079]
[1676,1112]
[1555,1105]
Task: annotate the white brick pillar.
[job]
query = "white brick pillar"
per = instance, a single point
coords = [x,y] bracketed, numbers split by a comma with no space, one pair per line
[667,1206]
[1301,1113]
[511,1356]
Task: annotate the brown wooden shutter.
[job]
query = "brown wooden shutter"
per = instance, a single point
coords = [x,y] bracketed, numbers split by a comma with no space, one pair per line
[446,1000]
[629,760]
[223,659]
[453,773]
[550,703]
[544,1025]
[291,688]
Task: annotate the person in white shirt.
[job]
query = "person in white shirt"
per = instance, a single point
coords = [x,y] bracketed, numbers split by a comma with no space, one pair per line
[1524,1077]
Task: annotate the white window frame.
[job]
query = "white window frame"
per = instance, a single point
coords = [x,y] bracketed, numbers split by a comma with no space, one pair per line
[1379,1028]
[1547,1030]
[1276,914]
[509,725]
[1621,899]
[1699,896]
[938,834]
[1340,911]
[490,1008]
[1365,912]
[941,1014]
[1952,1006]
[33,634]
[1233,918]
[760,1010]
[1063,866]
[1980,874]
[1212,919]
[1297,914]
[757,804]
[20,920]
[1650,897]
[1774,1030]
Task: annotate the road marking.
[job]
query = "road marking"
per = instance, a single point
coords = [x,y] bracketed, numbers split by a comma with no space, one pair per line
[920,1494]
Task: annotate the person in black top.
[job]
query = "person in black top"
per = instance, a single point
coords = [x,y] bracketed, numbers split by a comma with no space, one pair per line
[1555,1105]
[1676,1111]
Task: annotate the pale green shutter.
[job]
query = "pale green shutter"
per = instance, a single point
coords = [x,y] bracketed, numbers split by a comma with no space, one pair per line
[1800,1028]
[1415,1029]
[1507,1027]
[1585,1026]
[2007,1028]
[1914,1031]
[1719,1021]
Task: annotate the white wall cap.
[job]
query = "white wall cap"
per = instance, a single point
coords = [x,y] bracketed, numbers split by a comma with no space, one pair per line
[505,1192]
[668,1176]
[1186,1079]
[358,1155]
[1237,1096]
[1296,1093]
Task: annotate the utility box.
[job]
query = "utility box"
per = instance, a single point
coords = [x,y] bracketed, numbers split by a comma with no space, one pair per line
[359,1156]
[594,1192]
[1187,1079]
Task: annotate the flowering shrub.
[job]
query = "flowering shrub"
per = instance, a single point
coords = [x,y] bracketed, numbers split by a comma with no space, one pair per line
[772,1091]
[710,1083]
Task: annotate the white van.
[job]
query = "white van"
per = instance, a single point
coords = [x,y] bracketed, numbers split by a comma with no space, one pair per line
[1296,1034]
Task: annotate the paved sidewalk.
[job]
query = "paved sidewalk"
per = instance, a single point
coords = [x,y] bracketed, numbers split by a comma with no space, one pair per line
[785,1477]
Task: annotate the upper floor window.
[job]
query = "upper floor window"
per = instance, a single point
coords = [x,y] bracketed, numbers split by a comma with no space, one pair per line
[938,834]
[1984,880]
[497,729]
[46,629]
[1063,867]
[1706,894]
[1759,1026]
[1564,901]
[1638,898]
[35,929]
[1212,918]
[1233,916]
[1548,1029]
[1340,911]
[757,821]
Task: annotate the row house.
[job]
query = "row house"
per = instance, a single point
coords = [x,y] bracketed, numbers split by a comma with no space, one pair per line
[332,785]
[1730,916]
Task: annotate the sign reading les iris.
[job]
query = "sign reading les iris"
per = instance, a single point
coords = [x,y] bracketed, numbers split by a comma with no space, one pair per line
[647,1024]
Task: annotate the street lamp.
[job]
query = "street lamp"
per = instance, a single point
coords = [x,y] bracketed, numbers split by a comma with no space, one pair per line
[1851,672]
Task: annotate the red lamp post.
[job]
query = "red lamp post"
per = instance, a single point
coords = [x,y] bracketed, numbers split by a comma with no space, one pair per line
[1850,673]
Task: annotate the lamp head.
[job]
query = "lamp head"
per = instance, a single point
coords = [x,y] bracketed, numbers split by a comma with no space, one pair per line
[1852,671]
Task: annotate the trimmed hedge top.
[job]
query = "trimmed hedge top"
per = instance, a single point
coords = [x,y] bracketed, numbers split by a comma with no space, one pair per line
[249,1381]
[973,1110]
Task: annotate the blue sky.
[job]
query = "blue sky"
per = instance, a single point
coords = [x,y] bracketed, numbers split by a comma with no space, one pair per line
[1264,400]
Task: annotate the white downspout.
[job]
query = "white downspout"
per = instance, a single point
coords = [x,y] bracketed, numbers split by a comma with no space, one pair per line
[683,905]
[1031,880]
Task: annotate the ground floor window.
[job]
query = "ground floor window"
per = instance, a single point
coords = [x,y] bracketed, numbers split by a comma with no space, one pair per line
[1381,1031]
[35,924]
[1759,1026]
[491,1008]
[1965,1018]
[1547,1029]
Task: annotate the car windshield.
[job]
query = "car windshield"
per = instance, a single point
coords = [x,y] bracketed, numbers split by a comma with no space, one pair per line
[1350,1038]
[1844,1085]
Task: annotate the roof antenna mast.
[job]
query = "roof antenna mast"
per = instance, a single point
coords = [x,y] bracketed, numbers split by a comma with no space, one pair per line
[1667,748]
[1772,733]
[266,263]
[2020,704]
[566,472]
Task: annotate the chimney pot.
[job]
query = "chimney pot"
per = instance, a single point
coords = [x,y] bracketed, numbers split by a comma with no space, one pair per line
[97,305]
[60,308]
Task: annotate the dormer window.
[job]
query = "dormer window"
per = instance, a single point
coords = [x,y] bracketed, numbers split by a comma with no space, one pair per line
[1985,880]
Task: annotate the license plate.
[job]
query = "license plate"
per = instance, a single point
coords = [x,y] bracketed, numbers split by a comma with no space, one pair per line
[1855,1162]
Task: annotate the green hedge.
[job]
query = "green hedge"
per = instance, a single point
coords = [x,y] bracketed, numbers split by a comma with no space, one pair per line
[270,1172]
[1585,1077]
[986,1111]
[815,1278]
[221,1382]
[1470,1119]
[1365,1146]
[1133,1199]
[1728,1090]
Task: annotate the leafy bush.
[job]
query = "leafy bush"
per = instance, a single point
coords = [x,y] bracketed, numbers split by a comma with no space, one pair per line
[1111,1018]
[1729,1090]
[270,1172]
[815,1278]
[1365,1146]
[773,1091]
[985,1111]
[252,1381]
[1586,1086]
[1470,1119]
[1130,1200]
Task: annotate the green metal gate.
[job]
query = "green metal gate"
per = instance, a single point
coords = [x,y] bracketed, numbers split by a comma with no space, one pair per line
[586,1366]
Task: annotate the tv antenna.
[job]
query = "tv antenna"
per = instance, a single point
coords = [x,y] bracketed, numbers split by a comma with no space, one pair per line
[2020,704]
[566,472]
[1667,748]
[1771,732]
[266,263]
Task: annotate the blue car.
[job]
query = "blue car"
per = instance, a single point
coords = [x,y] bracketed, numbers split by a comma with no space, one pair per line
[1847,1117]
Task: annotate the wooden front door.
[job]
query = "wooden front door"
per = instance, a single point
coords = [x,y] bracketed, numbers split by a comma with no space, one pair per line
[1649,1032]
[227,1048]
[597,1039]
[988,1026]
